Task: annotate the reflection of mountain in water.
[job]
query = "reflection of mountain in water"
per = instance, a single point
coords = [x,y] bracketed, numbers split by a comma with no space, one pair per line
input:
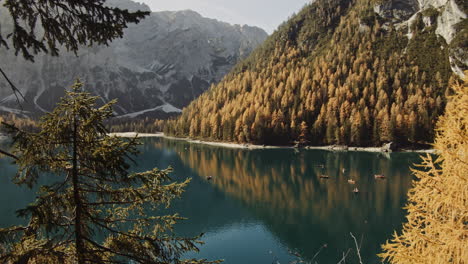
[283,189]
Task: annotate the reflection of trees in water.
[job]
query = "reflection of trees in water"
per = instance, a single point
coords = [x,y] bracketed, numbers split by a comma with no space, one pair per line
[284,189]
[293,184]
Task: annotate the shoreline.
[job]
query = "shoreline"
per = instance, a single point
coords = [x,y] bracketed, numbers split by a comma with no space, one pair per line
[252,146]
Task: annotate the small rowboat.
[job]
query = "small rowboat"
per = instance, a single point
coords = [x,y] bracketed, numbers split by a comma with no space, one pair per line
[379,176]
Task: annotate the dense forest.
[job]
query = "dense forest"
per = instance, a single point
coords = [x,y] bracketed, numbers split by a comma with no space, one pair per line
[24,123]
[141,125]
[437,219]
[335,73]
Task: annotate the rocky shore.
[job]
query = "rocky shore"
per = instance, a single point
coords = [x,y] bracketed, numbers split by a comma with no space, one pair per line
[386,148]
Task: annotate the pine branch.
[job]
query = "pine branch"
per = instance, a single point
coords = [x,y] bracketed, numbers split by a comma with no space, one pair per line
[106,249]
[112,203]
[16,91]
[8,154]
[118,220]
[117,232]
[103,260]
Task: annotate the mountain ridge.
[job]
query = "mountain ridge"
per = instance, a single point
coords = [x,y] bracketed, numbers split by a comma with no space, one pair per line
[162,63]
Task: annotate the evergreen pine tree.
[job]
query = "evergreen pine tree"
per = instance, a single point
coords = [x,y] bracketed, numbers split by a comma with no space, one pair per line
[92,194]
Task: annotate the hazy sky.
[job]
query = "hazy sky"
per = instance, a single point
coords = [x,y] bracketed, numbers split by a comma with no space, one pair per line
[267,14]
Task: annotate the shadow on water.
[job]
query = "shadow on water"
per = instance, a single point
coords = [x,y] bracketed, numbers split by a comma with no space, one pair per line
[267,206]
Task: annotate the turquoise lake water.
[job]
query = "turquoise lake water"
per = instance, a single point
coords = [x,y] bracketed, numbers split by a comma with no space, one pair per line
[271,206]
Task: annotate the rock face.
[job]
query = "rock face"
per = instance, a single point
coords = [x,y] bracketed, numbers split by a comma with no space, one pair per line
[448,16]
[159,66]
[397,9]
[389,147]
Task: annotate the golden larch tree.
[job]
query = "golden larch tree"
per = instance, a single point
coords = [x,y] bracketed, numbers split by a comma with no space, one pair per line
[437,227]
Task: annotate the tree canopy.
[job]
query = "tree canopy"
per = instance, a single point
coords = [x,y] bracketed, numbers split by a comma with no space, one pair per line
[93,210]
[437,227]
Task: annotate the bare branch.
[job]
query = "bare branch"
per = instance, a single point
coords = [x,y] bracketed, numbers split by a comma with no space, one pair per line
[16,91]
[343,259]
[320,250]
[358,249]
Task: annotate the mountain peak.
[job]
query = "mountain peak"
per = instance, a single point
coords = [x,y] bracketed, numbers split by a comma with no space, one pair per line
[159,66]
[129,5]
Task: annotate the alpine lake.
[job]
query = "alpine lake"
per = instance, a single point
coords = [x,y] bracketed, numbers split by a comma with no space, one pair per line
[270,205]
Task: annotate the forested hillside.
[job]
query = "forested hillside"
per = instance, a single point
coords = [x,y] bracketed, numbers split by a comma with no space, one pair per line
[358,72]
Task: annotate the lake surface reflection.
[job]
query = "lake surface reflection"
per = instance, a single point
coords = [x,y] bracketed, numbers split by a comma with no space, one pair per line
[271,206]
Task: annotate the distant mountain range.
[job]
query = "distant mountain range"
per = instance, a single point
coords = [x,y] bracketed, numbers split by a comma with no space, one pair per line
[159,66]
[347,72]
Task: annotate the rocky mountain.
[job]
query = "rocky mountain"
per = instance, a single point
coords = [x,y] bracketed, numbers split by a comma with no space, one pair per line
[347,72]
[160,65]
[448,17]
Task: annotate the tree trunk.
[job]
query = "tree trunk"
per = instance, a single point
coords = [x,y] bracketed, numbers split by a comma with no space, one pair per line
[77,199]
